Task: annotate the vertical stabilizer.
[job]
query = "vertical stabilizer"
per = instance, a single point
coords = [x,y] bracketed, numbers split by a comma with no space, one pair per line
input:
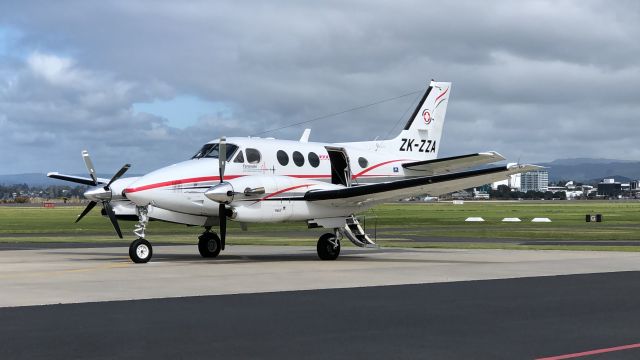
[421,135]
[420,138]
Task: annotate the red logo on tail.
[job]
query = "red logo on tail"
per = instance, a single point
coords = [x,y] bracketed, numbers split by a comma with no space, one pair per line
[426,115]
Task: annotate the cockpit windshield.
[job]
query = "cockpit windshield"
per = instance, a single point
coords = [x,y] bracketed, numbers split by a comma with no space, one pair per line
[213,151]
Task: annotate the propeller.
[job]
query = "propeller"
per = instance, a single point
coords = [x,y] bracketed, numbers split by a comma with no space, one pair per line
[222,208]
[99,193]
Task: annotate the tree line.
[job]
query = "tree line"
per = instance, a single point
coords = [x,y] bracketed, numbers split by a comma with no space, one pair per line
[503,192]
[21,193]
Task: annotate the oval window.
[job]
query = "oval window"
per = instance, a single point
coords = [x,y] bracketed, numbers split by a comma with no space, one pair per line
[314,160]
[298,159]
[283,158]
[363,162]
[253,156]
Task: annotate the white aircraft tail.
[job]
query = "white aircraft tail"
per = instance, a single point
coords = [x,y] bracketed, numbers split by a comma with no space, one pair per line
[420,138]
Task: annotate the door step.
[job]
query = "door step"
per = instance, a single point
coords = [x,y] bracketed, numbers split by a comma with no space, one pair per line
[354,232]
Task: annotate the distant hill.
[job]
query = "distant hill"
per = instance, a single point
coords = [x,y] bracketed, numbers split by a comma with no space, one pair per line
[588,170]
[31,179]
[41,179]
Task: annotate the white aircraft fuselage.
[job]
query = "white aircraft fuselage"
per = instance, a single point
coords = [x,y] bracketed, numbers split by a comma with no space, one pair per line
[181,187]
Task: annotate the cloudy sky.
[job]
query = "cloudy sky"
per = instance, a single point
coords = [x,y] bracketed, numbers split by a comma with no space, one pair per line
[147,82]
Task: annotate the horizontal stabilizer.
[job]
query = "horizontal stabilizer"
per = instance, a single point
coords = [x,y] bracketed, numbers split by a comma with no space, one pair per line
[450,164]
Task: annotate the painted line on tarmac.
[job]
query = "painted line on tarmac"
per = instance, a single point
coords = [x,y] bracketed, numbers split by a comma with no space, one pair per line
[591,352]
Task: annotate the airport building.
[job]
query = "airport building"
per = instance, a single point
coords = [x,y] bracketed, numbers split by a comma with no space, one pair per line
[535,181]
[513,182]
[609,188]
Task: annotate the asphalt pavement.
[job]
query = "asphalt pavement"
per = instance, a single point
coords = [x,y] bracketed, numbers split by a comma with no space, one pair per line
[521,318]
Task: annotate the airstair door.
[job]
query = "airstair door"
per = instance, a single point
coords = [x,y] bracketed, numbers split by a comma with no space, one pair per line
[340,168]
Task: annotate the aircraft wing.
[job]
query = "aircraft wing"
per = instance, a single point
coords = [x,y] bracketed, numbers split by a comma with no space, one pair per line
[448,165]
[76,179]
[400,189]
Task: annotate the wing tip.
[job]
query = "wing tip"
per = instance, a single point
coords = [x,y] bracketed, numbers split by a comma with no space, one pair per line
[493,154]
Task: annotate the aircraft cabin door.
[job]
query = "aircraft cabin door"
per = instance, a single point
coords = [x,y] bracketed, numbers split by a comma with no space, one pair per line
[340,168]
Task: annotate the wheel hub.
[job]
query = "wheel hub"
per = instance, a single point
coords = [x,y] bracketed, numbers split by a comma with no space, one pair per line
[142,251]
[212,245]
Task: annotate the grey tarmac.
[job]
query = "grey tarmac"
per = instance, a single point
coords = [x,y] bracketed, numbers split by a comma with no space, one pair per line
[75,275]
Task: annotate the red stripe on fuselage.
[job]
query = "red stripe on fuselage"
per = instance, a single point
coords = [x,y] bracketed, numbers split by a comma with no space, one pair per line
[229,177]
[178,182]
[285,190]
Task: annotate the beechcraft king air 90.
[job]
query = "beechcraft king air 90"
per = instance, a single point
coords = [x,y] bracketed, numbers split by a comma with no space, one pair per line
[269,180]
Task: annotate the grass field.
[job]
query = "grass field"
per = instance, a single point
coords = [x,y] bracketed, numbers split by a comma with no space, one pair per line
[397,224]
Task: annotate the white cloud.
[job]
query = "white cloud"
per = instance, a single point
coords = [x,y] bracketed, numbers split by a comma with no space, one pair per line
[537,79]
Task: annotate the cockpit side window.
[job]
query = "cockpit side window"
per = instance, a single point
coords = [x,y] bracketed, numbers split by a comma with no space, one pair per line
[253,156]
[212,151]
[239,158]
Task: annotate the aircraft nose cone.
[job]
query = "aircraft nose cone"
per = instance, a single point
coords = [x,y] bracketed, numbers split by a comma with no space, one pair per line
[140,193]
[221,193]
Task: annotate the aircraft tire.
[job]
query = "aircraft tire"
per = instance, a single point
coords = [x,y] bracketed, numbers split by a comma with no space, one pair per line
[326,250]
[209,245]
[140,251]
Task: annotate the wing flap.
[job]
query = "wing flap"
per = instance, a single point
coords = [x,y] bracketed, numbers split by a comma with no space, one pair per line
[450,164]
[400,189]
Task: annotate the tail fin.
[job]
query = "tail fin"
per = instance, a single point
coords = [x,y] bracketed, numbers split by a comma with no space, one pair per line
[420,138]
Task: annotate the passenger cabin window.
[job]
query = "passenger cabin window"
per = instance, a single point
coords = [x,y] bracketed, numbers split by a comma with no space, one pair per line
[283,158]
[314,160]
[298,159]
[239,158]
[253,156]
[363,162]
[213,151]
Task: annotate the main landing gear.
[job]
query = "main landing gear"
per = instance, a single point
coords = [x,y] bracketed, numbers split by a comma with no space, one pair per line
[209,244]
[328,246]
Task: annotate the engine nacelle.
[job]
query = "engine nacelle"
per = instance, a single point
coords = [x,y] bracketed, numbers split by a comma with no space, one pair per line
[259,198]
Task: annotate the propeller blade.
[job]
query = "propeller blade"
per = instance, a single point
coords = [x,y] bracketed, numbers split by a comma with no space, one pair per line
[71,178]
[222,157]
[222,213]
[90,167]
[118,174]
[112,216]
[86,210]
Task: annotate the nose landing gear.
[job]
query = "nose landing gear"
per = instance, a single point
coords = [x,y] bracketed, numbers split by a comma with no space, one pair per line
[140,250]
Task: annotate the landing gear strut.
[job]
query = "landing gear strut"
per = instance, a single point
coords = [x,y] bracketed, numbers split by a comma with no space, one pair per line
[140,250]
[209,244]
[329,246]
